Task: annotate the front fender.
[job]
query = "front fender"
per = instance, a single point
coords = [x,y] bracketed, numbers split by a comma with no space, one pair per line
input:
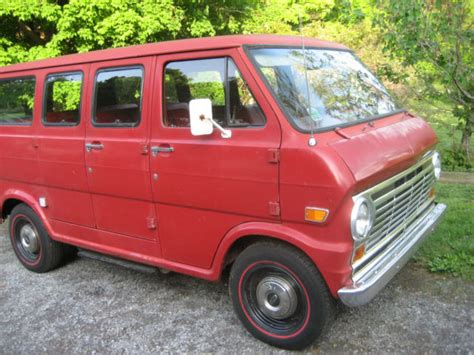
[329,257]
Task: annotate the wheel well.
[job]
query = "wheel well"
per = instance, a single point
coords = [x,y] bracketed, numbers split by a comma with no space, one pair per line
[242,243]
[8,206]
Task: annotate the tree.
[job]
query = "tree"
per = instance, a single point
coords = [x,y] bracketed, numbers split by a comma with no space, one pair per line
[26,27]
[283,16]
[36,29]
[436,38]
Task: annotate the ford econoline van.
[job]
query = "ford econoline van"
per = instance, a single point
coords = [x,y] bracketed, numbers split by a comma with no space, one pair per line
[289,165]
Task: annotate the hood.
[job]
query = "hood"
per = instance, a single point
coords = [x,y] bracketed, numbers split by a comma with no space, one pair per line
[379,153]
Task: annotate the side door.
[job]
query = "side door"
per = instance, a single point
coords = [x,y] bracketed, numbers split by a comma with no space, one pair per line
[60,137]
[116,147]
[205,185]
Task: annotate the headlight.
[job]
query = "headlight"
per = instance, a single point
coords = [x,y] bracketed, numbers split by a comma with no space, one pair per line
[437,165]
[362,218]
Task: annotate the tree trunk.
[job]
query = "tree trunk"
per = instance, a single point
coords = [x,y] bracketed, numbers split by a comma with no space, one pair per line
[466,136]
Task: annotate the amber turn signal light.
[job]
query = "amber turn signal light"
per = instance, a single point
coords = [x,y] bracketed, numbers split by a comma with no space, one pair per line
[315,214]
[359,253]
[432,192]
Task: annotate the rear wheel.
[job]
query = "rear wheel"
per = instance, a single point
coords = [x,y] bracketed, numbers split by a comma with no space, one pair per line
[31,242]
[279,295]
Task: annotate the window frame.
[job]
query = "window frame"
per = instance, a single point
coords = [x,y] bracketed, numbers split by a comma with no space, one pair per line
[23,124]
[226,92]
[43,104]
[94,97]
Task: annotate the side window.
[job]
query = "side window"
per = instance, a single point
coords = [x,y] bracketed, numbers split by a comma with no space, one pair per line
[118,97]
[243,109]
[16,101]
[217,79]
[194,79]
[62,99]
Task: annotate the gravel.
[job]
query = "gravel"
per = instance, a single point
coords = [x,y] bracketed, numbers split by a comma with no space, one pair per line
[89,306]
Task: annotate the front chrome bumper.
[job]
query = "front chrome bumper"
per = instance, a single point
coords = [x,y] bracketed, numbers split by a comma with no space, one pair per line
[361,293]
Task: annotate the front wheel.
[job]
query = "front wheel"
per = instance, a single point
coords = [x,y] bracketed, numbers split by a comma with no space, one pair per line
[279,295]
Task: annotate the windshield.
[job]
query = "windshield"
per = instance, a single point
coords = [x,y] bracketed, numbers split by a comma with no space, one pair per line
[339,91]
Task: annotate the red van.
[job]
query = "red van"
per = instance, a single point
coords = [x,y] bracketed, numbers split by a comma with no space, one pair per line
[290,165]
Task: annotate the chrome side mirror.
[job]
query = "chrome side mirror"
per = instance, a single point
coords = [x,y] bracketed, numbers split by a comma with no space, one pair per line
[202,123]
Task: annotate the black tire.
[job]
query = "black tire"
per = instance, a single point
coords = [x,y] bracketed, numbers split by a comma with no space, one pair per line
[70,251]
[280,296]
[31,242]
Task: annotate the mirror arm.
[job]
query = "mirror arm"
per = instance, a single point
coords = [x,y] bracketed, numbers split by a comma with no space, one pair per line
[225,133]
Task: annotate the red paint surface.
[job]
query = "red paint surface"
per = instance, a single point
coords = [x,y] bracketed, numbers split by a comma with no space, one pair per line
[209,192]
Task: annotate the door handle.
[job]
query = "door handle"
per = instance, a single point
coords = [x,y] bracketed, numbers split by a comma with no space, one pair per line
[165,148]
[94,145]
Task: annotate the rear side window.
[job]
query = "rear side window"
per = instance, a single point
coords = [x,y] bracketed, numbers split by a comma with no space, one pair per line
[16,101]
[217,79]
[118,97]
[62,99]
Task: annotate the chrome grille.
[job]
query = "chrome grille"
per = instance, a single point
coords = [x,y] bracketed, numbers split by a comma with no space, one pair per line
[399,202]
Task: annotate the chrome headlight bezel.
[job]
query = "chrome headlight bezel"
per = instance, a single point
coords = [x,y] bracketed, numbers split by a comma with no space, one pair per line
[436,160]
[360,229]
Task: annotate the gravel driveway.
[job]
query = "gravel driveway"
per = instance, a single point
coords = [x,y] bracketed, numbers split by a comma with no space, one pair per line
[92,306]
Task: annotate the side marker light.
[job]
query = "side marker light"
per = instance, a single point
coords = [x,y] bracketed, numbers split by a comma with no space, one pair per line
[315,214]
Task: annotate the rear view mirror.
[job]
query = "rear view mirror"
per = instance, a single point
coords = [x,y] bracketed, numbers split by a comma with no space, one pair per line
[199,111]
[200,117]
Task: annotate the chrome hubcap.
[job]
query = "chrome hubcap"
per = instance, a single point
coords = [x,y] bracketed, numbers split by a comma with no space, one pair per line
[276,297]
[29,238]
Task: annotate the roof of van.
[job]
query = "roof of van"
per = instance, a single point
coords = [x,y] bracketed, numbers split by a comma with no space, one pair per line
[167,47]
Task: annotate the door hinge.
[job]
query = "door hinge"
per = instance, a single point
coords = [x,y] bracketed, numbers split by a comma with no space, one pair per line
[145,149]
[274,208]
[151,223]
[274,156]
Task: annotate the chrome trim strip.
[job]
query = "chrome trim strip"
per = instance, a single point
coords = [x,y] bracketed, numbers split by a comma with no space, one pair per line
[362,292]
[405,218]
[417,185]
[394,178]
[400,202]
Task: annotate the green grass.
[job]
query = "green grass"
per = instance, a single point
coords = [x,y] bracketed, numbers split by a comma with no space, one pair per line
[450,249]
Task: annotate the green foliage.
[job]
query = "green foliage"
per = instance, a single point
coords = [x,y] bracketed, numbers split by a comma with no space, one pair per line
[283,16]
[26,29]
[436,39]
[95,24]
[66,95]
[451,247]
[278,17]
[211,90]
[452,263]
[17,99]
[119,90]
[213,17]
[446,126]
[35,29]
[455,158]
